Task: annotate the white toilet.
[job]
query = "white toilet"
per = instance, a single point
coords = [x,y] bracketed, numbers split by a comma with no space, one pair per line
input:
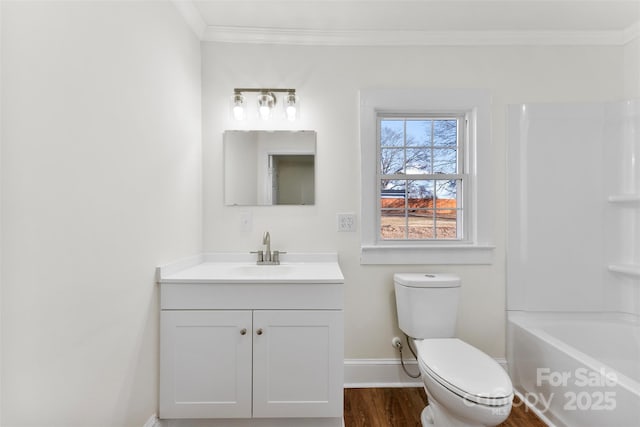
[465,387]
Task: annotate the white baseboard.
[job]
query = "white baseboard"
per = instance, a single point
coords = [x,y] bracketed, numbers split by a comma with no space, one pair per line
[367,373]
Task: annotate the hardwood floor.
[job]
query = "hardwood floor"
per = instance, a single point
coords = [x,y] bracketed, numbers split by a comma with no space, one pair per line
[401,407]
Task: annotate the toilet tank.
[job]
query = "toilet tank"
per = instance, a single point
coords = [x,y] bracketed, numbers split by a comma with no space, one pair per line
[427,304]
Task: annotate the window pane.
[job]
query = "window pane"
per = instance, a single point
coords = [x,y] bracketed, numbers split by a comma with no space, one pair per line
[397,185]
[418,161]
[421,224]
[446,193]
[391,161]
[447,208]
[419,133]
[391,133]
[445,160]
[393,224]
[393,194]
[445,133]
[419,191]
[446,224]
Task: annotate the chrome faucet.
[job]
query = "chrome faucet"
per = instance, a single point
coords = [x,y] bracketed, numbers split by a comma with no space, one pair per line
[266,240]
[266,256]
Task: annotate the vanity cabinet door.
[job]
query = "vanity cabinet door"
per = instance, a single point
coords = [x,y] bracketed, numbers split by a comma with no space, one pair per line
[298,363]
[205,364]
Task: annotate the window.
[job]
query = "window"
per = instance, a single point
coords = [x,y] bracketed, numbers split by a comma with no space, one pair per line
[421,177]
[427,193]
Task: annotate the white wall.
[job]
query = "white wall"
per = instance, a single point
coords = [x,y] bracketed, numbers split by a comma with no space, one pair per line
[101,182]
[632,68]
[328,80]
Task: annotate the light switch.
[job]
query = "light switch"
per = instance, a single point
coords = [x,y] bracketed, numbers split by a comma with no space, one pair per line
[245,221]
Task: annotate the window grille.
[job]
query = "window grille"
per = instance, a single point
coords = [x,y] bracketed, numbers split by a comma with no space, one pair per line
[421,177]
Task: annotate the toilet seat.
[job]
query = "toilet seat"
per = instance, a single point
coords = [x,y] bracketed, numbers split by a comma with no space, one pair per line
[465,371]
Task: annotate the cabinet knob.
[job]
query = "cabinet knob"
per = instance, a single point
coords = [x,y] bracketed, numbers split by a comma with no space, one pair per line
[259,331]
[243,331]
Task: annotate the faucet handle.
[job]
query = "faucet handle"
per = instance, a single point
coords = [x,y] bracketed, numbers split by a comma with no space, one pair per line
[276,256]
[260,255]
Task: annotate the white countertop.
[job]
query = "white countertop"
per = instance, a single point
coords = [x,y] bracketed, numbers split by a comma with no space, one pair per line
[223,267]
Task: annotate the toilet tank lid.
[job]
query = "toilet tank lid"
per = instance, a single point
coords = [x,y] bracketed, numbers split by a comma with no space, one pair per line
[427,280]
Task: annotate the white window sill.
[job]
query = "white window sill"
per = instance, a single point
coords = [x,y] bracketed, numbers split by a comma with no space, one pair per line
[436,254]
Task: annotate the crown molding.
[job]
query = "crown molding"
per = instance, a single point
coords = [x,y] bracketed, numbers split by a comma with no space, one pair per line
[307,37]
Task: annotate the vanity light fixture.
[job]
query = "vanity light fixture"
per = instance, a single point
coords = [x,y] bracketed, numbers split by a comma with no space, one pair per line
[267,101]
[291,105]
[238,106]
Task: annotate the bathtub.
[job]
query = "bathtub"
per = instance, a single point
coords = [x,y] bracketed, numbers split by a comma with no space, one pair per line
[577,369]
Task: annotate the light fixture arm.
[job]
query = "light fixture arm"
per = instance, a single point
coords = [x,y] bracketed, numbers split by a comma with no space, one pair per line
[262,90]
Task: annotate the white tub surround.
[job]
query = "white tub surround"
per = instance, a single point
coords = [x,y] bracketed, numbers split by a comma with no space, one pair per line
[574,207]
[573,266]
[260,344]
[622,191]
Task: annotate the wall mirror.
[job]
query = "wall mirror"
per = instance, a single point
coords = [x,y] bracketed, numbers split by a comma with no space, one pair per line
[269,167]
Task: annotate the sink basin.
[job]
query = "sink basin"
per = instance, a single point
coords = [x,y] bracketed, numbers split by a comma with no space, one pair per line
[256,270]
[242,268]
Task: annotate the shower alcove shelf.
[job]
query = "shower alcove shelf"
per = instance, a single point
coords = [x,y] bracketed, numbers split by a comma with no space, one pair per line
[627,201]
[624,198]
[627,269]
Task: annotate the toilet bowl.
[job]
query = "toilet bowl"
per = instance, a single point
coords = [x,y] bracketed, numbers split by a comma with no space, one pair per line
[465,387]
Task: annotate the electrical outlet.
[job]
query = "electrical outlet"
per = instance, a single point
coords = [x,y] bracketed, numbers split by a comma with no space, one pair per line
[346,221]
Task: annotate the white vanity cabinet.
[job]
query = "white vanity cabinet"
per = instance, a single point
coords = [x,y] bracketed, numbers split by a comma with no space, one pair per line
[297,363]
[261,351]
[205,364]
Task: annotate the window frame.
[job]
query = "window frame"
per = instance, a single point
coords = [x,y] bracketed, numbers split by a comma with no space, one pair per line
[462,216]
[477,247]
